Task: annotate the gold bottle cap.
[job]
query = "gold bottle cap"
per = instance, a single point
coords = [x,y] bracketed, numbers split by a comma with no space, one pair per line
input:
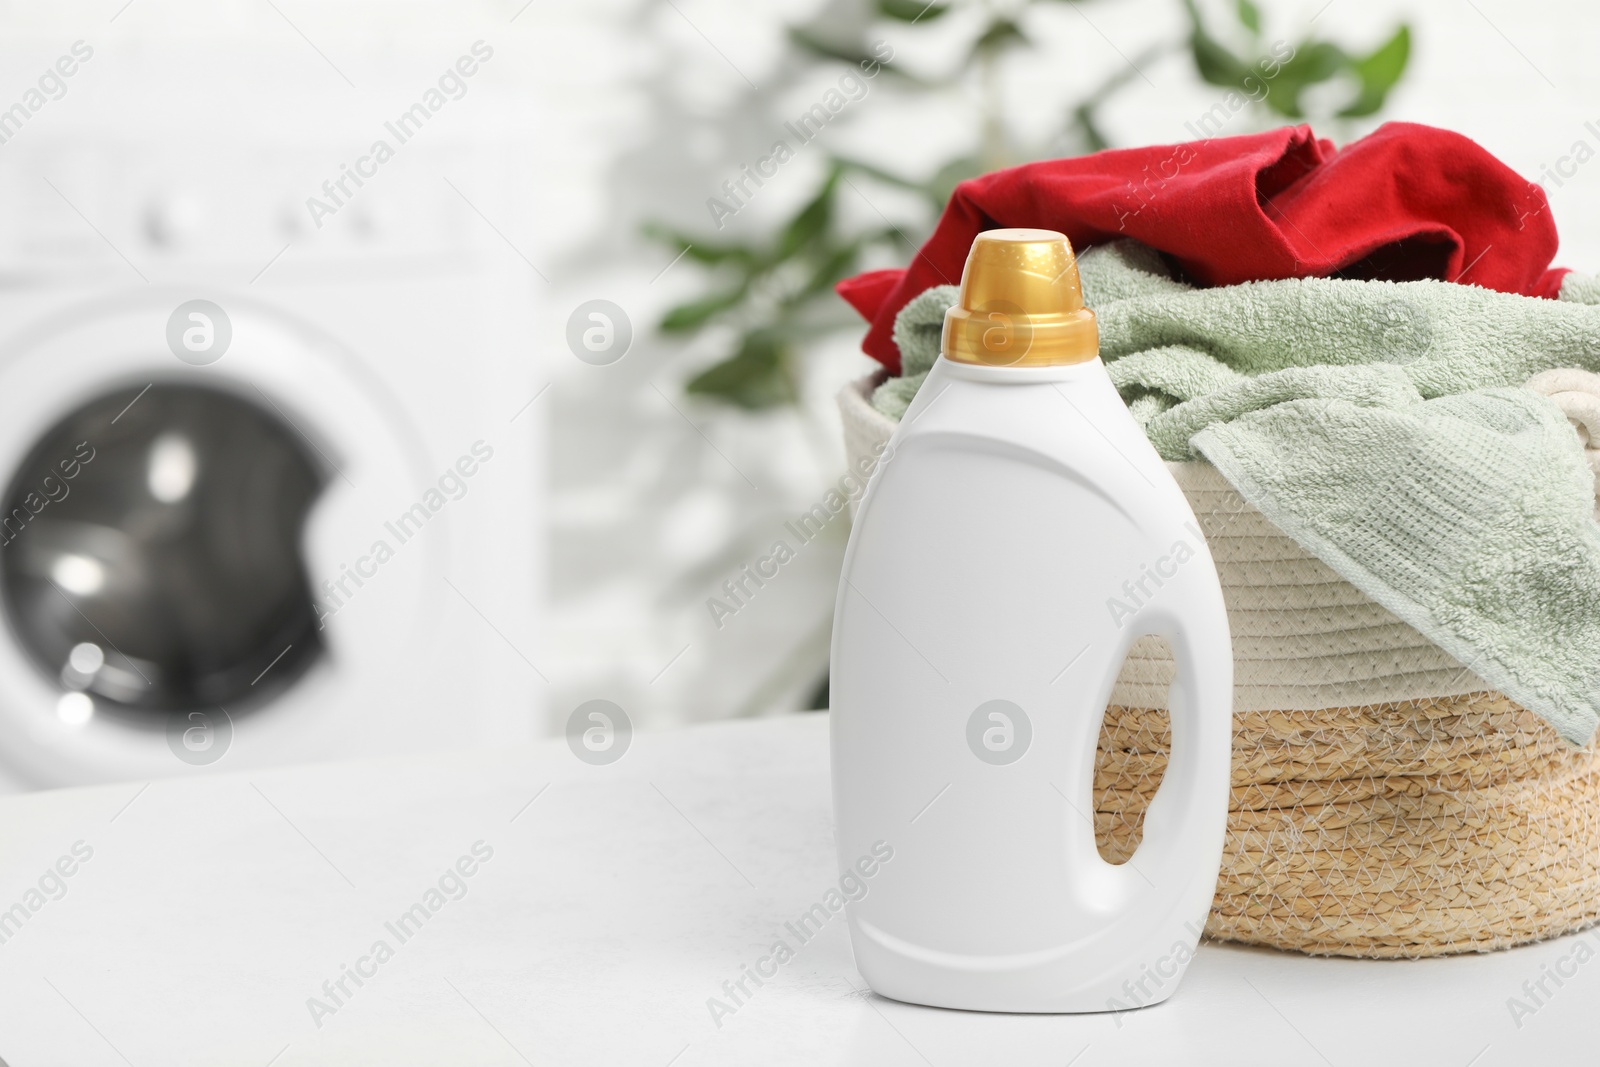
[1021,304]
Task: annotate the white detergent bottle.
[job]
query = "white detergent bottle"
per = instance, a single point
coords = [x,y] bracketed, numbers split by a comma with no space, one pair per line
[1018,536]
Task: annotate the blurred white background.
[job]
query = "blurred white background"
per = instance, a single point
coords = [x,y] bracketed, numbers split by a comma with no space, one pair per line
[620,115]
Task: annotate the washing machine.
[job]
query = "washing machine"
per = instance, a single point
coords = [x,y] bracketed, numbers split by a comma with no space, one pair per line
[271,489]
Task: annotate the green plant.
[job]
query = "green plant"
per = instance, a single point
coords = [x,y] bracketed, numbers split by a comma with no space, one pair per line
[1313,63]
[774,293]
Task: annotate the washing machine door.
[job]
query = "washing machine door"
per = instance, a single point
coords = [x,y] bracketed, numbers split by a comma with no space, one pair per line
[150,552]
[169,537]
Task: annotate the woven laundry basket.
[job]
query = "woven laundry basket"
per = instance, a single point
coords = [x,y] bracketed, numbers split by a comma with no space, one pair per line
[1386,802]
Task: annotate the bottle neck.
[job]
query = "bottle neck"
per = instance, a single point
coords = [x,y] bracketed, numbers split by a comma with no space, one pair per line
[976,372]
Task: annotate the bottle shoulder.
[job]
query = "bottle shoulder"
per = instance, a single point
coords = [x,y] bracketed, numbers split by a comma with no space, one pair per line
[1076,424]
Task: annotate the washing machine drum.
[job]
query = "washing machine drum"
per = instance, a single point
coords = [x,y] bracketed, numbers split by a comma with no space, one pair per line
[150,552]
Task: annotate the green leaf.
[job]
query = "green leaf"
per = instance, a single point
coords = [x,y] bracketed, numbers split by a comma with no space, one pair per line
[1379,72]
[853,55]
[812,221]
[1215,64]
[824,49]
[835,265]
[1314,62]
[1249,16]
[911,10]
[696,313]
[877,173]
[755,377]
[1001,33]
[1094,139]
[699,250]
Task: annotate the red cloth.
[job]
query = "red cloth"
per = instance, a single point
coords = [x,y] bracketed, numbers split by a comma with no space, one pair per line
[1404,203]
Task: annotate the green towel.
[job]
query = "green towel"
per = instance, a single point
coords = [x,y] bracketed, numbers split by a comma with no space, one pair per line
[1385,427]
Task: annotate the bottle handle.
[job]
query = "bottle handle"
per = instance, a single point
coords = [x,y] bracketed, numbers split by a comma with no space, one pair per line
[1199,761]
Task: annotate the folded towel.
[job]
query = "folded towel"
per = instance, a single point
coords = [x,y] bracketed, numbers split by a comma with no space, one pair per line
[1405,202]
[1387,428]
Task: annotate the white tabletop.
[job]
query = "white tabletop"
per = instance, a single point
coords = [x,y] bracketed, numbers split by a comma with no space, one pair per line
[613,906]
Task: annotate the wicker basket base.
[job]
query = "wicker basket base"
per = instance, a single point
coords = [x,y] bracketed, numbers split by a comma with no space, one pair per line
[1409,829]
